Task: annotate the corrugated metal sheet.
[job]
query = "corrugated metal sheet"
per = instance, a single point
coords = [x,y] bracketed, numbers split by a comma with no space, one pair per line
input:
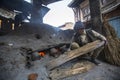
[115,22]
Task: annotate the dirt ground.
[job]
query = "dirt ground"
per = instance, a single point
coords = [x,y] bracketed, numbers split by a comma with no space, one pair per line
[12,63]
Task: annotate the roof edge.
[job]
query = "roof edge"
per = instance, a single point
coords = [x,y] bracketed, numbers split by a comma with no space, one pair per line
[75,3]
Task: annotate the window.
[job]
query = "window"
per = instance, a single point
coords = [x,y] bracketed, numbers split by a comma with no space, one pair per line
[86,13]
[115,23]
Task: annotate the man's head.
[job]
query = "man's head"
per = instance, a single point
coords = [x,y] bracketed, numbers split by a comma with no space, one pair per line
[79,27]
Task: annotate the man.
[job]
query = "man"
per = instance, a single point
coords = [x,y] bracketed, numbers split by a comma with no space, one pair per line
[83,36]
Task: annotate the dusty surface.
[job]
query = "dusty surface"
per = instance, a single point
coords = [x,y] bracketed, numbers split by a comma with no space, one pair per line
[102,72]
[12,63]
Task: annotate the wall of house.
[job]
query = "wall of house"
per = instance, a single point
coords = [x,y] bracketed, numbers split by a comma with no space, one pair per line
[108,5]
[115,23]
[5,25]
[113,18]
[85,11]
[111,12]
[82,12]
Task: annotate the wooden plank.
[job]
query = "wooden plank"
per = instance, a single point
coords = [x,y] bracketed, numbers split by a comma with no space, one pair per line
[73,54]
[63,73]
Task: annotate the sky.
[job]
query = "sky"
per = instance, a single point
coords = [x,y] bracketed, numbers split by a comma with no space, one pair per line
[59,13]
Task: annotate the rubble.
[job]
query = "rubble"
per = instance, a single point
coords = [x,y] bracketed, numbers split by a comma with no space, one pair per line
[74,54]
[13,62]
[78,68]
[32,76]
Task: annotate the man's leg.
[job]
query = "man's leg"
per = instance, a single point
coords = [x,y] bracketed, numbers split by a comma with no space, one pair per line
[74,45]
[95,54]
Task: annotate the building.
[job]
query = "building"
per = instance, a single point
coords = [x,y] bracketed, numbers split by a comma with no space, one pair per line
[67,25]
[97,11]
[81,8]
[13,12]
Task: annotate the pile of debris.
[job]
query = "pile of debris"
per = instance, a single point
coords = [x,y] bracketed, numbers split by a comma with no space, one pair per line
[39,51]
[33,55]
[112,51]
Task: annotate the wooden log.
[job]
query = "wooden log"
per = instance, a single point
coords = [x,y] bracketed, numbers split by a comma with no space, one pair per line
[74,54]
[57,74]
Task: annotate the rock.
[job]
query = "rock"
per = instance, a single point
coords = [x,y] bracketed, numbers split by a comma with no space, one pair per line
[32,76]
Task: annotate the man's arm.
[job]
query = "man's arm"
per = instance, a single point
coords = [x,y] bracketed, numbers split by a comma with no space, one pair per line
[98,35]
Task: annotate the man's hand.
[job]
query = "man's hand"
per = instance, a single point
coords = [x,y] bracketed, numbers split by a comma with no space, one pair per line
[105,42]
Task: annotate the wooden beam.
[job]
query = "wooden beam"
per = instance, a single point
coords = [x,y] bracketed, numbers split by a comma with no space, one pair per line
[82,67]
[74,54]
[96,17]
